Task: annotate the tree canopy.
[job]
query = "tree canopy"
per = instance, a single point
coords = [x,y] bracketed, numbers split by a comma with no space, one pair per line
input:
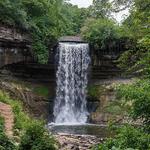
[47,20]
[100,31]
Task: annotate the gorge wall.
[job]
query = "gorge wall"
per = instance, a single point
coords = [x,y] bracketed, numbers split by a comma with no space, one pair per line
[15,45]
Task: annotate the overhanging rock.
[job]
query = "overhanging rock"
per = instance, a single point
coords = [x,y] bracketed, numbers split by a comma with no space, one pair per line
[76,39]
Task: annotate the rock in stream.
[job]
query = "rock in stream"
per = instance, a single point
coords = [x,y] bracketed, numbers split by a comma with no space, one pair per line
[77,142]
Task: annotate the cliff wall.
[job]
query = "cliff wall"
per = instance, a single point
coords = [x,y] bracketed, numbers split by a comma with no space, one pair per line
[15,45]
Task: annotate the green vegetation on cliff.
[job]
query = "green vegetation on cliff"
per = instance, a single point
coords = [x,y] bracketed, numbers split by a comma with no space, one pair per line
[128,138]
[134,96]
[45,20]
[31,134]
[100,32]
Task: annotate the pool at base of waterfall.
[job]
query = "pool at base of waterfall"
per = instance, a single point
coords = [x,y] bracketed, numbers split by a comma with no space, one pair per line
[81,129]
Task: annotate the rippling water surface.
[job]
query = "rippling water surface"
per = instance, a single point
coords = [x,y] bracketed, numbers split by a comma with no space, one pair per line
[85,129]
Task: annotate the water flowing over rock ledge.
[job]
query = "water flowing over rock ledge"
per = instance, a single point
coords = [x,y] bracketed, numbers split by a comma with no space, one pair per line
[72,79]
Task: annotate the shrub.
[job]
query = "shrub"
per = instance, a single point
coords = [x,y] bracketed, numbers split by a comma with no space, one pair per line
[1,124]
[5,142]
[136,60]
[94,91]
[37,138]
[34,135]
[99,32]
[128,138]
[138,96]
[21,119]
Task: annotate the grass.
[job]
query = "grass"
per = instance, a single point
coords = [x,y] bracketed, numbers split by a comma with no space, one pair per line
[42,91]
[1,124]
[95,91]
[21,118]
[38,89]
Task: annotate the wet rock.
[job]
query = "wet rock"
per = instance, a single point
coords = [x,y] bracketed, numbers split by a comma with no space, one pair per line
[76,147]
[14,45]
[77,142]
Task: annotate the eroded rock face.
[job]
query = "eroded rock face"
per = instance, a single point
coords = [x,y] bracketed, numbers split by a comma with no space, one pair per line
[101,115]
[107,109]
[14,46]
[37,106]
[13,35]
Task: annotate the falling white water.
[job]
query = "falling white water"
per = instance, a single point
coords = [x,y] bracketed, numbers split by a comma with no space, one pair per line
[70,102]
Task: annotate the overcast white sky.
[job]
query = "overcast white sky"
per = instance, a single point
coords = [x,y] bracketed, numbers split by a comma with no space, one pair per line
[85,3]
[82,3]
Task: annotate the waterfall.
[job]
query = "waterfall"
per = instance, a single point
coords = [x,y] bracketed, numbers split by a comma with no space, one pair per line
[70,101]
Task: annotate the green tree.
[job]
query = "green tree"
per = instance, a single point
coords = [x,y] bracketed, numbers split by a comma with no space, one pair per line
[45,20]
[101,8]
[12,13]
[137,27]
[99,32]
[74,18]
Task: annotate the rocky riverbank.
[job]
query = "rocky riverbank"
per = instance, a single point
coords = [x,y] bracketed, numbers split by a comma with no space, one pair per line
[77,142]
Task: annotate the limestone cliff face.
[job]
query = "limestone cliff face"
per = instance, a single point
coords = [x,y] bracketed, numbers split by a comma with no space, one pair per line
[15,45]
[108,106]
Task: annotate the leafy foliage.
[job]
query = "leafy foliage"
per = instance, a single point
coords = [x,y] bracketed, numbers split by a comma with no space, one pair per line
[44,20]
[1,124]
[138,94]
[99,32]
[73,18]
[5,142]
[137,60]
[33,134]
[21,119]
[137,25]
[36,138]
[101,8]
[138,20]
[12,13]
[136,98]
[94,91]
[128,138]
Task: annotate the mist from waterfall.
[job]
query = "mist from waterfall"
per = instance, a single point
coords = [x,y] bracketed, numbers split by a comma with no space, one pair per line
[70,102]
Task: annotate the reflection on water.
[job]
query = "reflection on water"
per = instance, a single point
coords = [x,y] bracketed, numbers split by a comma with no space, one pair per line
[88,129]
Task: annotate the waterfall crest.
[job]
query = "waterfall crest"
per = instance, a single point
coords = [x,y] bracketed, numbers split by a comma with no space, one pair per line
[70,101]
